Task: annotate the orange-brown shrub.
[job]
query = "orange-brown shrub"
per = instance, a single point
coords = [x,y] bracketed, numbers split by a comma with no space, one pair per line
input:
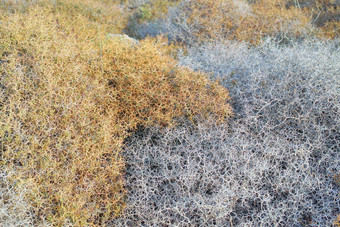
[266,18]
[331,29]
[70,96]
[324,14]
[337,221]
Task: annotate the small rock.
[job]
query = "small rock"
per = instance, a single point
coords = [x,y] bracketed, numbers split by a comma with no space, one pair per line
[123,38]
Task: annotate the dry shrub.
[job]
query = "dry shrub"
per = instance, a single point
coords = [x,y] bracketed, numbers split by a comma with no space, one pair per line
[325,14]
[337,221]
[331,29]
[226,18]
[205,20]
[70,96]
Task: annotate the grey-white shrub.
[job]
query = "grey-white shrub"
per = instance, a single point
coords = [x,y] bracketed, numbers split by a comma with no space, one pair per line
[289,89]
[272,165]
[14,209]
[211,176]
